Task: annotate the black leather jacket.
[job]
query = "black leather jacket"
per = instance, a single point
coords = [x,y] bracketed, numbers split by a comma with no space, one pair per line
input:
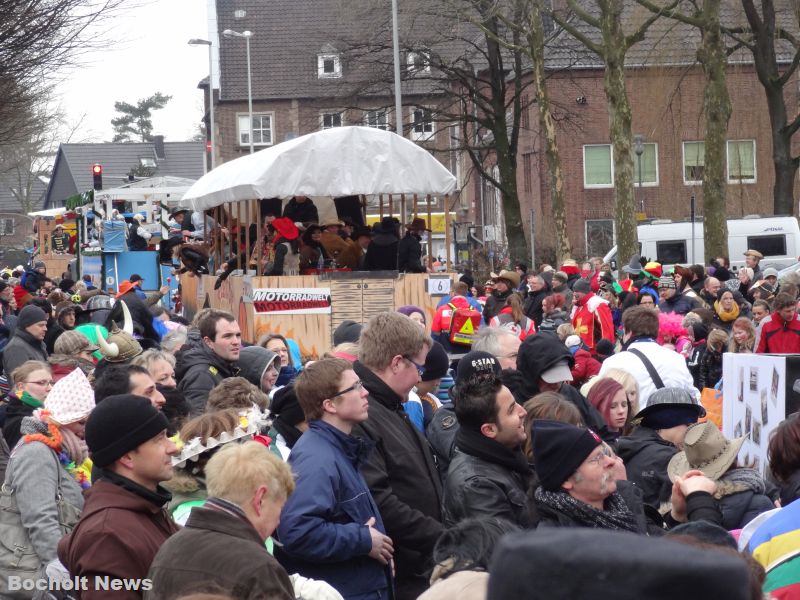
[476,488]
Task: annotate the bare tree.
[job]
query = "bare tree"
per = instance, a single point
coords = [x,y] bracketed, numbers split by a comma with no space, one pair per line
[704,15]
[22,163]
[536,49]
[471,69]
[602,32]
[37,40]
[773,29]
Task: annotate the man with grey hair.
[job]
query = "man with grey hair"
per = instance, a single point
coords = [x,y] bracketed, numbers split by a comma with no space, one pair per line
[501,343]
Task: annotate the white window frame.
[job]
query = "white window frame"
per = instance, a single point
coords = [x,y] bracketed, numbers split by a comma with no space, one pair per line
[683,162]
[598,185]
[411,62]
[332,113]
[636,159]
[337,66]
[239,131]
[425,134]
[377,112]
[728,162]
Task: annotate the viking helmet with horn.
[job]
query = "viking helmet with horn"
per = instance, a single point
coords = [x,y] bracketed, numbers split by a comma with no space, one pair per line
[120,345]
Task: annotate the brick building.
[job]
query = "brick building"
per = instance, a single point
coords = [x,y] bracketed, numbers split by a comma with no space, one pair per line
[665,88]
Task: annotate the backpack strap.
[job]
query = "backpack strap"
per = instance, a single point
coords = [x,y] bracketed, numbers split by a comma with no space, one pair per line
[657,381]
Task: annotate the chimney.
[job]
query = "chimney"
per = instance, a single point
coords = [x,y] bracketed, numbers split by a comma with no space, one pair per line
[158,142]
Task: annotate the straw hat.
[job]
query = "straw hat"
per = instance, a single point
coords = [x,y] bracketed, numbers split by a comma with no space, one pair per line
[706,449]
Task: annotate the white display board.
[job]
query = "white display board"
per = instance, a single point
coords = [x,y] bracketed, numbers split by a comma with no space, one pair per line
[754,402]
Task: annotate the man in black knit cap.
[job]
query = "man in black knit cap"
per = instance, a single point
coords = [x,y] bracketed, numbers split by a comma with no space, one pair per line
[123,523]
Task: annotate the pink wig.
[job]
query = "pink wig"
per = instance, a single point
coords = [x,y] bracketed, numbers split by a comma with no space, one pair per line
[669,326]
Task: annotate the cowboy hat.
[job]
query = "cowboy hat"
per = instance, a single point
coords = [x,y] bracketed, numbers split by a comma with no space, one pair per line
[178,210]
[285,228]
[706,449]
[754,254]
[418,224]
[511,276]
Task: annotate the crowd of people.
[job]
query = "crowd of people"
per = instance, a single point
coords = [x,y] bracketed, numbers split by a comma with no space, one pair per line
[554,446]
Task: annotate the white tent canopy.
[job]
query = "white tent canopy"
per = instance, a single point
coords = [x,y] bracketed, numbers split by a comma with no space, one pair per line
[342,161]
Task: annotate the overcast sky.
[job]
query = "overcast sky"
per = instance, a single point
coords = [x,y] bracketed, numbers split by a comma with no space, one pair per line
[149,54]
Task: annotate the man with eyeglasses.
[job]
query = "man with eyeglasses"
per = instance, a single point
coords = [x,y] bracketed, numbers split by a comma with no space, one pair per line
[580,485]
[401,472]
[330,527]
[502,343]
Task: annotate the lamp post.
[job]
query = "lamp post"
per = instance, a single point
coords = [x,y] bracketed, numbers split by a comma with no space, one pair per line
[638,148]
[200,42]
[246,35]
[398,104]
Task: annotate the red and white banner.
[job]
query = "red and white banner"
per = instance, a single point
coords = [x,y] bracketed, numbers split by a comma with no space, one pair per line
[292,301]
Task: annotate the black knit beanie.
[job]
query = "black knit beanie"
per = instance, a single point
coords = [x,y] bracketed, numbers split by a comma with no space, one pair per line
[29,315]
[286,407]
[437,363]
[120,424]
[559,449]
[347,331]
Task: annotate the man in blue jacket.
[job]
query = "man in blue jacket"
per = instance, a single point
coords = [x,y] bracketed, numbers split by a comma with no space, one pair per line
[330,527]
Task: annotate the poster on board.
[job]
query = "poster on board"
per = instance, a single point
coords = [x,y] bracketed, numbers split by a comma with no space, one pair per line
[754,402]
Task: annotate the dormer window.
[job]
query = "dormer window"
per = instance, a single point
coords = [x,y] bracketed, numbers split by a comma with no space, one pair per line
[418,61]
[149,163]
[329,66]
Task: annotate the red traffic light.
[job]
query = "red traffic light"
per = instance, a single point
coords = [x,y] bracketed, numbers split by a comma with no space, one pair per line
[97,169]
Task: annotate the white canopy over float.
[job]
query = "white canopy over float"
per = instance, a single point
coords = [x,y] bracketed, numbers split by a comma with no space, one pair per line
[341,161]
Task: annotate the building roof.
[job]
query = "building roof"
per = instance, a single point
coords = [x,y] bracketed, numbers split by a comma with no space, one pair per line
[10,182]
[288,36]
[668,42]
[72,171]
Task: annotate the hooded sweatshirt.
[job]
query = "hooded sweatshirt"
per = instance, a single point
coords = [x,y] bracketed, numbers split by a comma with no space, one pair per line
[540,352]
[199,370]
[253,363]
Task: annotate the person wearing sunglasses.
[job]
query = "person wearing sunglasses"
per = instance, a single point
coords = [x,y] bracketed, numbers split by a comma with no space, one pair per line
[330,527]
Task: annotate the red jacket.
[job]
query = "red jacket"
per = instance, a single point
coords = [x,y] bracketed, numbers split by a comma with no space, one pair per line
[585,367]
[441,321]
[779,336]
[592,320]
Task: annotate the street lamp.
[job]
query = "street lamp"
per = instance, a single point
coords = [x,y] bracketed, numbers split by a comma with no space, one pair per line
[638,148]
[228,33]
[199,42]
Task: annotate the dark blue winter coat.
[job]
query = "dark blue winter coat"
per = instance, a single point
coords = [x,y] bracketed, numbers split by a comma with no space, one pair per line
[323,524]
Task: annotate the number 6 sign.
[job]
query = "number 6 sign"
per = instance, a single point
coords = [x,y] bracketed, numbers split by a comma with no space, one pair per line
[438,286]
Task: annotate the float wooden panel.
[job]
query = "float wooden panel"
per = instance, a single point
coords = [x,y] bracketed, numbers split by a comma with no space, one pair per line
[356,299]
[410,288]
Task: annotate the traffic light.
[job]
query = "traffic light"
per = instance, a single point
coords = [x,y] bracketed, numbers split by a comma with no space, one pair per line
[97,176]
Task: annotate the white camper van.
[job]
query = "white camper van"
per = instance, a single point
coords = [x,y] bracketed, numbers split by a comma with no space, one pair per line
[670,242]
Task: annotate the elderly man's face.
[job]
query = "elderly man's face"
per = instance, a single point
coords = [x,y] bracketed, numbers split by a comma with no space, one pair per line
[712,286]
[509,348]
[594,480]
